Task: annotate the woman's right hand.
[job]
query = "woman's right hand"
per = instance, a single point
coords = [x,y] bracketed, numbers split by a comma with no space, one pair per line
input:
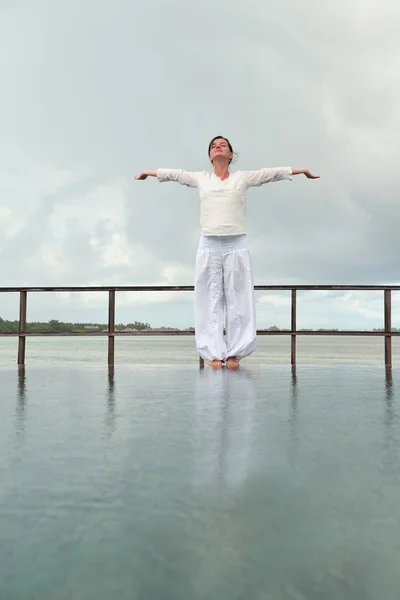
[141,176]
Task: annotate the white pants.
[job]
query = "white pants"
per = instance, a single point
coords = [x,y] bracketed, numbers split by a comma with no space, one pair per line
[224,298]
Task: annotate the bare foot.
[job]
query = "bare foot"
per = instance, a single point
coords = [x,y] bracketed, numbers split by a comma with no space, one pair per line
[216,364]
[232,363]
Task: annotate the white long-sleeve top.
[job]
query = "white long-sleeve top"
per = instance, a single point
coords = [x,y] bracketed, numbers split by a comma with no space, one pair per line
[223,202]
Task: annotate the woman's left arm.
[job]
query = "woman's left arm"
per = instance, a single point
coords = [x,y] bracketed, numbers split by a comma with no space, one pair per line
[262,176]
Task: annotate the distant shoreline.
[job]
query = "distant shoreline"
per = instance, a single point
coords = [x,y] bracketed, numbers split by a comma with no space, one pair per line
[136,328]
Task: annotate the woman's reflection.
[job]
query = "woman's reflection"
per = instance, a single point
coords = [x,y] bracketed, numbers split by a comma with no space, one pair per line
[223,428]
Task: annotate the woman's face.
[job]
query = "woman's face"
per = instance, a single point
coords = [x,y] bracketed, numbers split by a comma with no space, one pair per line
[220,147]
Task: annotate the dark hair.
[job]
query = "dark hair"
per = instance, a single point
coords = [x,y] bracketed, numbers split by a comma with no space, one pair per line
[221,137]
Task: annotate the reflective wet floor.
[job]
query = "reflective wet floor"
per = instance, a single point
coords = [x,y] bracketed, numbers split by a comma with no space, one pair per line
[167,482]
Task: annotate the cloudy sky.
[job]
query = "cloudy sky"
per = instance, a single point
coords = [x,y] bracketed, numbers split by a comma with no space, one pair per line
[93,91]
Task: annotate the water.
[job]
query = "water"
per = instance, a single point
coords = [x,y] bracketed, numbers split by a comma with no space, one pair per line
[177,483]
[177,350]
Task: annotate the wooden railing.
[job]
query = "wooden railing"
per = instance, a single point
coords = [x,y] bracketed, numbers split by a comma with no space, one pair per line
[387,332]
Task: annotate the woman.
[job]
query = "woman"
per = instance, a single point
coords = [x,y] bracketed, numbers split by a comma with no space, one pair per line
[224,288]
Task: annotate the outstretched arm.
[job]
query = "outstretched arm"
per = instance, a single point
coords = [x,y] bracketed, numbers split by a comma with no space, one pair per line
[258,178]
[178,175]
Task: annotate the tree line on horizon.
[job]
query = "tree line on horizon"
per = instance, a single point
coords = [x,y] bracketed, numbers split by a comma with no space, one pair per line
[55,326]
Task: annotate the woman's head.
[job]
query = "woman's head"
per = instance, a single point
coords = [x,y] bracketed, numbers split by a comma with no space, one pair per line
[220,147]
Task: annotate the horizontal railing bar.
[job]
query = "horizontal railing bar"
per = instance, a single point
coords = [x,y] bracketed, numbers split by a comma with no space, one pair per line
[123,288]
[190,288]
[183,333]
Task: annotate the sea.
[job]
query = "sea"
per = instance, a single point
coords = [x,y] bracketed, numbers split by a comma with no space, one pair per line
[155,479]
[162,350]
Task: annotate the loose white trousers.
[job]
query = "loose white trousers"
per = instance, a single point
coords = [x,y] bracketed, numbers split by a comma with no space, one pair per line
[224,298]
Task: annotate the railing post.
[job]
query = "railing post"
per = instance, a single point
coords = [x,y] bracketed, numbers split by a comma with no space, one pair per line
[22,327]
[388,328]
[293,328]
[111,327]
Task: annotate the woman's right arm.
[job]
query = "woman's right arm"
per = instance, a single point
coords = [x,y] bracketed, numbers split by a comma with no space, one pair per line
[179,175]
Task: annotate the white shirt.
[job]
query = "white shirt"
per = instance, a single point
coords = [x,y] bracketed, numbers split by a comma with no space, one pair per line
[223,202]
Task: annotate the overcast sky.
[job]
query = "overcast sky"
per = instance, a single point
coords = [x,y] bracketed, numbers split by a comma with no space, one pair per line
[93,91]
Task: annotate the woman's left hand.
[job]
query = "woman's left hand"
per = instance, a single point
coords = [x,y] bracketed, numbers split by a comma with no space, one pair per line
[309,175]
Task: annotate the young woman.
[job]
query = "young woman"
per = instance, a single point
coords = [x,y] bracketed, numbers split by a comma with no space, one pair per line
[224,288]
